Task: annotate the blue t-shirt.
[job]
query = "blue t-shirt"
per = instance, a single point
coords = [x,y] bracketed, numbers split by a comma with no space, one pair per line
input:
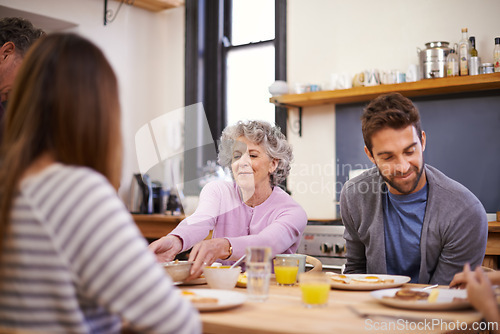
[403,220]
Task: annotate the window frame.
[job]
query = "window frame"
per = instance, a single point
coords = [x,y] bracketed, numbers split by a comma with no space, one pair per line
[207,22]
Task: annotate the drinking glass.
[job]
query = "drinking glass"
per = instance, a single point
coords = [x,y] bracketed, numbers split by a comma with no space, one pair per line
[300,257]
[258,265]
[286,269]
[315,288]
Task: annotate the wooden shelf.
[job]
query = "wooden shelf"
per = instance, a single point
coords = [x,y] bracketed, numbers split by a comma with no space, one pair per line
[156,5]
[425,87]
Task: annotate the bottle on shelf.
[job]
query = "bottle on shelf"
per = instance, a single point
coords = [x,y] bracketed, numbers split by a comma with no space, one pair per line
[452,63]
[475,60]
[464,48]
[473,50]
[496,55]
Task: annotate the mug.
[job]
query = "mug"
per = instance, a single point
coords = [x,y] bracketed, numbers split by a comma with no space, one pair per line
[340,81]
[388,77]
[400,77]
[412,73]
[372,77]
[300,257]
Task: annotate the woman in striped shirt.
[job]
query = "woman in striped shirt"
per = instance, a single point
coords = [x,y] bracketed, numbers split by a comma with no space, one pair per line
[71,258]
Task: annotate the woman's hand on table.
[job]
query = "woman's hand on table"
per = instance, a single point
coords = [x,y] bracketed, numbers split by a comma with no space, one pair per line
[480,293]
[166,248]
[459,280]
[205,252]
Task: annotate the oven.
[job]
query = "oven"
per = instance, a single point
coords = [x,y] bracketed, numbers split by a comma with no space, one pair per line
[324,240]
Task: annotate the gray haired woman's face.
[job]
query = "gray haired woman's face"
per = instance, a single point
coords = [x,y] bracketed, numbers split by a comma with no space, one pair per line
[251,165]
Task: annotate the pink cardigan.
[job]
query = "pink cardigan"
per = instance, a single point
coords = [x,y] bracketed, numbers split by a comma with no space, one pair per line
[278,222]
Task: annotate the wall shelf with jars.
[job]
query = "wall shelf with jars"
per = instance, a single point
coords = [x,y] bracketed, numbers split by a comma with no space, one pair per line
[426,87]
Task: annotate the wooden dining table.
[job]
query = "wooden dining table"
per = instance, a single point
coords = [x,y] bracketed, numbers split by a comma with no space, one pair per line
[283,312]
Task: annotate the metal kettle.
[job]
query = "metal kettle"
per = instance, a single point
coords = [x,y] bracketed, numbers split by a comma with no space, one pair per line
[141,194]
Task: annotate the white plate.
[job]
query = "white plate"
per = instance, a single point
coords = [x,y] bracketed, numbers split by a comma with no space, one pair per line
[356,282]
[443,302]
[196,281]
[226,299]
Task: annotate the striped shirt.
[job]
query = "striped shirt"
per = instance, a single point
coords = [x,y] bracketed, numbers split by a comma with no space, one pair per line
[76,262]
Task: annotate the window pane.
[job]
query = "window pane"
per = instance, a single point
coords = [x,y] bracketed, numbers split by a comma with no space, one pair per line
[250,72]
[252,21]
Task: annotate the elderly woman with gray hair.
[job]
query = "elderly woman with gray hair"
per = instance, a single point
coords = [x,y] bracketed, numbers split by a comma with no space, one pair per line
[252,210]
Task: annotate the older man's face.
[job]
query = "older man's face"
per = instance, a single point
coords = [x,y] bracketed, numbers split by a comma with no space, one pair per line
[10,62]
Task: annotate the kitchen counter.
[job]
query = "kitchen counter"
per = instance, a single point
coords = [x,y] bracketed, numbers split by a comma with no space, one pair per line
[492,245]
[156,226]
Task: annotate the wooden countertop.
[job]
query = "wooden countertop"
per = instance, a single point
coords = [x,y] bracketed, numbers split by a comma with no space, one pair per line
[156,226]
[492,245]
[283,313]
[494,227]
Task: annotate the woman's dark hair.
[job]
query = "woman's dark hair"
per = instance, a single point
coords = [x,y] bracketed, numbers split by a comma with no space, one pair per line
[391,110]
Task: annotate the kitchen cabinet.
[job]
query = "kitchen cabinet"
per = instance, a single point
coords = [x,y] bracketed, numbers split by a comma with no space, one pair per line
[493,244]
[154,5]
[425,87]
[156,226]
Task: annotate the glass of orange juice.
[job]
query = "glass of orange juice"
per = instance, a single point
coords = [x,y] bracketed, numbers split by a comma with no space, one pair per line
[286,269]
[315,287]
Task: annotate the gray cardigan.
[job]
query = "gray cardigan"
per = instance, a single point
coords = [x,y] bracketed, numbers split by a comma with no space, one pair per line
[454,231]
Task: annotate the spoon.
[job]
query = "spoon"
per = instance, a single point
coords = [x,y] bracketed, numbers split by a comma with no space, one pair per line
[239,261]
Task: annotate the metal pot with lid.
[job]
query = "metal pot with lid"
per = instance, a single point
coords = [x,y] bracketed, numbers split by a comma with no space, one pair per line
[433,59]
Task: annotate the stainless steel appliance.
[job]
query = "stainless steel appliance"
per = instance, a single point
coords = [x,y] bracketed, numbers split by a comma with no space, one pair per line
[433,59]
[141,194]
[325,241]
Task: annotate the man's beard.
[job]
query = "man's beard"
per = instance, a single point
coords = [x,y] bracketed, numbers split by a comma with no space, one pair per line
[403,188]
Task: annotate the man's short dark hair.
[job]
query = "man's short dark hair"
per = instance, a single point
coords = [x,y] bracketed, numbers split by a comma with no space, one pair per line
[391,110]
[20,32]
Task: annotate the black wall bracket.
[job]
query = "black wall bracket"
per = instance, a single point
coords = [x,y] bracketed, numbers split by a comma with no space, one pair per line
[109,15]
[285,105]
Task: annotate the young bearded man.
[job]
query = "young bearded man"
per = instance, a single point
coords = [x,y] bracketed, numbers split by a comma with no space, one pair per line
[404,217]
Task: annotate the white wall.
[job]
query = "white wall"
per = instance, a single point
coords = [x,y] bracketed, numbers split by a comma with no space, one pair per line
[334,36]
[146,50]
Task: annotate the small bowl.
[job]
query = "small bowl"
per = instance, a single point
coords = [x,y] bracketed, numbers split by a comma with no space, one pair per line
[178,270]
[222,277]
[279,87]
